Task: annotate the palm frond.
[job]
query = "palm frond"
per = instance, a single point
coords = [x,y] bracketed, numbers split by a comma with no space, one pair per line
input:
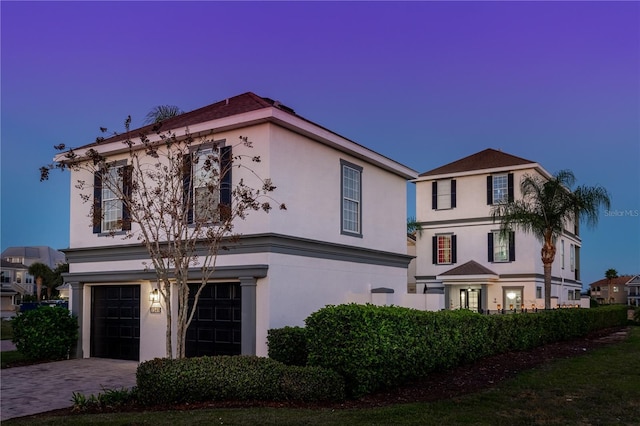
[162,112]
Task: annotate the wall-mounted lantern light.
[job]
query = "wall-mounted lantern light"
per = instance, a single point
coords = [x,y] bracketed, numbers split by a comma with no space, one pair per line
[154,298]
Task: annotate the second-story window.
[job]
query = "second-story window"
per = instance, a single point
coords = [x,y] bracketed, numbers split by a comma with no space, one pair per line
[111,185]
[499,188]
[351,212]
[443,194]
[572,257]
[206,194]
[207,175]
[501,248]
[112,208]
[444,249]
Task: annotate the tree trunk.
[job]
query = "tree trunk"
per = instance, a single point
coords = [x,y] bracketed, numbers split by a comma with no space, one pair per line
[547,285]
[169,328]
[39,288]
[548,254]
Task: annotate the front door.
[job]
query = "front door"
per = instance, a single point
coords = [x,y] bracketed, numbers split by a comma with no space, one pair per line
[470,299]
[215,328]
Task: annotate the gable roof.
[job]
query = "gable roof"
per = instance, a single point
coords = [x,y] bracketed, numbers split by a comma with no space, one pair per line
[621,280]
[487,159]
[470,268]
[10,265]
[239,104]
[256,109]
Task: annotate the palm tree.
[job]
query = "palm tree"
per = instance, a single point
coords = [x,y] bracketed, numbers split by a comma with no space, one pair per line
[56,278]
[42,273]
[610,274]
[162,112]
[413,226]
[547,207]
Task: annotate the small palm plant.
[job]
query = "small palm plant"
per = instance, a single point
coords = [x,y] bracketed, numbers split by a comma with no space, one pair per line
[161,113]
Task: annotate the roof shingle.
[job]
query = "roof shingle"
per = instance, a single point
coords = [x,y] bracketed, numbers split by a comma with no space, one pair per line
[487,159]
[239,104]
[470,268]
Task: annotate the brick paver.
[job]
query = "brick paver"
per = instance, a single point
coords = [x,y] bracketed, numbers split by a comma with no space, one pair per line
[44,387]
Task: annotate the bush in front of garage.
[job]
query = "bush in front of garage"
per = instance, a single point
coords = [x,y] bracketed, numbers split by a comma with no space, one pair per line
[217,378]
[288,345]
[45,333]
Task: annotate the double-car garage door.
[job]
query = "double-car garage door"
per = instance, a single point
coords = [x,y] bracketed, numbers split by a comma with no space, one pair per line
[115,322]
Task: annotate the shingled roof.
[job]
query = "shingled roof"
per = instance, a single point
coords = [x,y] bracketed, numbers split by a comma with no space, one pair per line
[621,280]
[487,159]
[239,104]
[470,268]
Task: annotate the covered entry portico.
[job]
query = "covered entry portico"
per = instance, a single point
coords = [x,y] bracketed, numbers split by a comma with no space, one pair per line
[467,286]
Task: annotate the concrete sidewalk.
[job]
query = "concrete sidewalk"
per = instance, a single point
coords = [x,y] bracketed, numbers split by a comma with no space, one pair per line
[7,345]
[44,387]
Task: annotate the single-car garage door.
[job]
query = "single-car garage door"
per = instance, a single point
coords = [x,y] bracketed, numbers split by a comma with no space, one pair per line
[215,328]
[115,322]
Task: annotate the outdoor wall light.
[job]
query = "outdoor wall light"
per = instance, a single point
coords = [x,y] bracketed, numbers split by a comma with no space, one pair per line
[154,298]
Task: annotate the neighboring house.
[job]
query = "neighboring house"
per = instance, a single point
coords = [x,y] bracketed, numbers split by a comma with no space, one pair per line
[633,291]
[463,262]
[619,290]
[14,273]
[342,239]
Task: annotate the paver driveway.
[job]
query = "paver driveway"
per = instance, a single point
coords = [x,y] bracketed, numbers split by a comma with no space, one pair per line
[44,387]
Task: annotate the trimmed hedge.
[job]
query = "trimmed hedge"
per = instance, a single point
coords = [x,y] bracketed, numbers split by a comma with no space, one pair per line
[288,345]
[45,333]
[373,347]
[173,381]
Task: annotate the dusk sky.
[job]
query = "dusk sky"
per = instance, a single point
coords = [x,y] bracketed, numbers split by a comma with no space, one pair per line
[424,83]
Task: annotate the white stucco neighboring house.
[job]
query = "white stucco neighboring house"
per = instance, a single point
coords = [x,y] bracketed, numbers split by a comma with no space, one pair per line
[342,239]
[463,262]
[14,273]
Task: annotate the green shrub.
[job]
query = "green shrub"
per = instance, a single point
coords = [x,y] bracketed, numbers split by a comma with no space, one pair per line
[45,333]
[6,330]
[288,345]
[373,347]
[108,399]
[171,381]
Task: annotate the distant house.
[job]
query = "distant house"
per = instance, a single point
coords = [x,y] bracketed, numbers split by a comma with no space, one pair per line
[14,275]
[620,290]
[633,291]
[343,239]
[462,260]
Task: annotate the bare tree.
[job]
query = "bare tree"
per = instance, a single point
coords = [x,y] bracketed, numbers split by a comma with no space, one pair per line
[178,199]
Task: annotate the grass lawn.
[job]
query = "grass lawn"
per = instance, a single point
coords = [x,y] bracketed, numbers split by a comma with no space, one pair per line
[599,388]
[10,358]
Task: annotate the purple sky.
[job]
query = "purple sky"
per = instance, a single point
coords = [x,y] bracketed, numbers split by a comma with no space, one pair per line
[424,83]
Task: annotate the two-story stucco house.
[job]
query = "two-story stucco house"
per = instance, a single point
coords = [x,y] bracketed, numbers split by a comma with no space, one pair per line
[463,261]
[342,239]
[617,290]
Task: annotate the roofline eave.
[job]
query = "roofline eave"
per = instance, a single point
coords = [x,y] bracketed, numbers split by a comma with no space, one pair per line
[265,115]
[534,166]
